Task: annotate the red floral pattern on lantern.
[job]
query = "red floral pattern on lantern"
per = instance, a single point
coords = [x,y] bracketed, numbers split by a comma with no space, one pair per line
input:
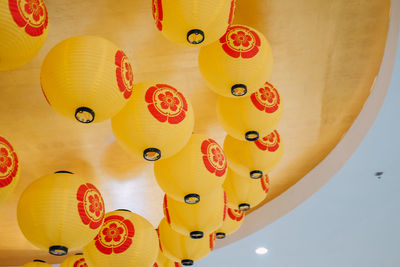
[166,103]
[232,12]
[124,73]
[213,157]
[166,212]
[266,99]
[159,240]
[80,263]
[212,240]
[115,235]
[240,41]
[265,183]
[270,142]
[90,205]
[236,215]
[8,163]
[29,14]
[158,13]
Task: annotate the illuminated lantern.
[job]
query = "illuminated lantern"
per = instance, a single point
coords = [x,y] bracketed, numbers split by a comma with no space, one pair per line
[156,123]
[9,169]
[60,212]
[232,223]
[197,170]
[163,261]
[76,260]
[251,117]
[36,263]
[238,64]
[256,158]
[182,248]
[87,78]
[193,22]
[244,193]
[23,31]
[197,220]
[125,239]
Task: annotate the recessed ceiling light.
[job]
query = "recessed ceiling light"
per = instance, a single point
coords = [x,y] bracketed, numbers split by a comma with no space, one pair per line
[261,251]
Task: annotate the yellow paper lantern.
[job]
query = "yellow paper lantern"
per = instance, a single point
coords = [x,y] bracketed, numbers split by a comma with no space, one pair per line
[87,78]
[77,260]
[9,169]
[60,212]
[245,193]
[163,261]
[156,123]
[256,158]
[251,117]
[36,263]
[199,169]
[182,248]
[197,220]
[125,239]
[193,22]
[23,31]
[238,64]
[232,223]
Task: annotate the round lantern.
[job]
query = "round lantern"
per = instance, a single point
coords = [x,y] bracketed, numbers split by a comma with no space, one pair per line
[244,193]
[251,117]
[232,223]
[125,239]
[156,123]
[60,212]
[23,31]
[256,158]
[87,78]
[182,248]
[163,261]
[199,169]
[77,260]
[197,220]
[238,64]
[193,22]
[36,263]
[9,169]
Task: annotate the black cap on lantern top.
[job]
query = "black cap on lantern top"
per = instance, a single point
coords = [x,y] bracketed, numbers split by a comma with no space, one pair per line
[196,234]
[58,250]
[192,198]
[187,262]
[256,174]
[239,89]
[252,136]
[151,154]
[64,172]
[244,207]
[195,36]
[220,235]
[38,261]
[84,115]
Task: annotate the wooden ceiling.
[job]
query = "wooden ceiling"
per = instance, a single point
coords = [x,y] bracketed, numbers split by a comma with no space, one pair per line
[327,55]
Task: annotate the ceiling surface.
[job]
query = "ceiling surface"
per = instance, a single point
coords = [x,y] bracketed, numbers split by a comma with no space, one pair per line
[327,55]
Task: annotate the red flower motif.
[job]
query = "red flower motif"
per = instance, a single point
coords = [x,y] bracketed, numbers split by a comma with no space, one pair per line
[213,157]
[80,263]
[232,12]
[270,142]
[158,13]
[266,98]
[124,73]
[235,215]
[265,183]
[166,212]
[90,205]
[8,163]
[166,103]
[212,240]
[240,41]
[115,235]
[29,14]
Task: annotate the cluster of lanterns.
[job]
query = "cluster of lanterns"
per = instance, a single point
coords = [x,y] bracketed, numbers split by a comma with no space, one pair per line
[207,187]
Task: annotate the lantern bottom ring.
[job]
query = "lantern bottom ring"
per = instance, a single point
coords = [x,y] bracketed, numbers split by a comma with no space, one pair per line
[196,234]
[257,174]
[239,89]
[58,250]
[220,235]
[195,36]
[187,262]
[151,154]
[244,207]
[123,210]
[38,261]
[192,198]
[251,135]
[84,115]
[64,172]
